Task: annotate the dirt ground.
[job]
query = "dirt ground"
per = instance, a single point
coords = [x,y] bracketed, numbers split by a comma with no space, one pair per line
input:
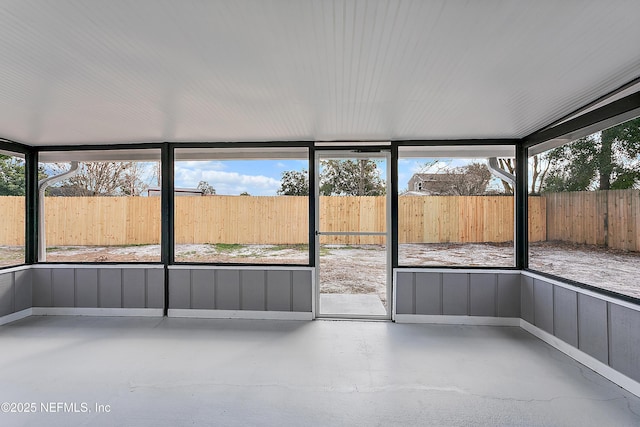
[361,269]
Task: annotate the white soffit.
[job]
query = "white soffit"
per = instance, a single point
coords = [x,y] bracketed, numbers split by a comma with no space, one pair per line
[92,72]
[458,151]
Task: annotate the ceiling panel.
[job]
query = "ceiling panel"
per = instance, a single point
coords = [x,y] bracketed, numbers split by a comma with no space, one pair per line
[91,72]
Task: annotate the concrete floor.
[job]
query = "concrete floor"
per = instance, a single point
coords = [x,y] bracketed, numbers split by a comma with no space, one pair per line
[173,372]
[351,304]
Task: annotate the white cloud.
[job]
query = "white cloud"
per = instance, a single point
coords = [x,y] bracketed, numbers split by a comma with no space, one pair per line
[231,183]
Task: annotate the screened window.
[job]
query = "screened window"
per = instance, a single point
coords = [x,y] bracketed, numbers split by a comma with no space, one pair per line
[587,220]
[248,206]
[99,206]
[456,206]
[12,209]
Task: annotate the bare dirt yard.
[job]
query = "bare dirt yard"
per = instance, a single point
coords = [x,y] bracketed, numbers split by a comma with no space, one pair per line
[361,268]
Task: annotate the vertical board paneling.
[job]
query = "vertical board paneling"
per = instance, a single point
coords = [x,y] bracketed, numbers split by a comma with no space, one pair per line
[302,291]
[592,327]
[404,293]
[543,305]
[179,289]
[42,296]
[278,290]
[110,287]
[23,289]
[6,294]
[482,294]
[63,285]
[625,340]
[428,293]
[227,289]
[253,290]
[526,299]
[133,288]
[565,315]
[455,293]
[509,295]
[202,289]
[87,287]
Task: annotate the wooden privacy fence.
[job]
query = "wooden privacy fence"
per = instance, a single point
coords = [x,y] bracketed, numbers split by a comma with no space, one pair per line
[609,218]
[269,220]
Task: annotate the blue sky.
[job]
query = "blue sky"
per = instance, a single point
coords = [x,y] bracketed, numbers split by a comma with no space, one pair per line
[232,177]
[262,177]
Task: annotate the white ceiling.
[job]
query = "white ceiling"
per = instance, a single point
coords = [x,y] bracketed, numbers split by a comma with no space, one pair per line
[94,71]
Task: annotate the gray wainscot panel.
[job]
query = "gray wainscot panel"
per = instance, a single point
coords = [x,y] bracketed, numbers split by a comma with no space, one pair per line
[227,289]
[110,287]
[404,293]
[133,288]
[543,305]
[6,294]
[42,296]
[526,299]
[509,298]
[302,291]
[202,289]
[23,289]
[455,293]
[278,290]
[428,293]
[155,288]
[482,294]
[87,287]
[63,285]
[625,340]
[253,293]
[565,314]
[592,327]
[179,288]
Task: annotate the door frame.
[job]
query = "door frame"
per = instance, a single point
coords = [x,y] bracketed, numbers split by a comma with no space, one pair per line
[374,152]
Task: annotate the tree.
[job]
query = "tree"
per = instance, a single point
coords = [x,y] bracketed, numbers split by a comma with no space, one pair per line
[245,193]
[469,180]
[606,160]
[102,179]
[539,166]
[12,176]
[206,188]
[351,178]
[294,183]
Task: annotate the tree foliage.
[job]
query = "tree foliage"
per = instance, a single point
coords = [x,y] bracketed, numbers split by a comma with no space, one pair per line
[607,160]
[294,183]
[12,176]
[102,179]
[469,180]
[337,177]
[206,188]
[351,178]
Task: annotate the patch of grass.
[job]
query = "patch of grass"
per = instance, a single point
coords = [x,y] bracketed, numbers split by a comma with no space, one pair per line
[324,251]
[228,247]
[60,248]
[296,247]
